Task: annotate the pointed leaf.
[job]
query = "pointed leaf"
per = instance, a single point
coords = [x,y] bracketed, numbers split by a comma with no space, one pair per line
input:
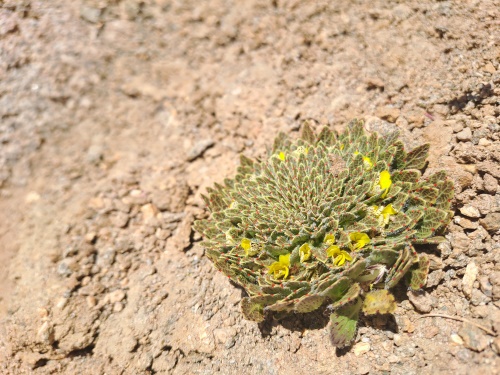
[348,297]
[418,274]
[251,310]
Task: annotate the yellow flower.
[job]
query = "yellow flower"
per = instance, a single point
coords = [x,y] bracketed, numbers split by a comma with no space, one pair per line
[280,268]
[387,212]
[385,182]
[329,239]
[282,156]
[342,146]
[367,162]
[305,252]
[250,250]
[359,240]
[339,257]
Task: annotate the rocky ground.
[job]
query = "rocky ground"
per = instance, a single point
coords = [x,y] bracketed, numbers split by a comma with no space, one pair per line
[117,114]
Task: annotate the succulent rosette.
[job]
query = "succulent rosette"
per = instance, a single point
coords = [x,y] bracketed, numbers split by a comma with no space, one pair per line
[329,221]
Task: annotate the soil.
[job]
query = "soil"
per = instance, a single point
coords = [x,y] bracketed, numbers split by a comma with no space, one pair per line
[116,116]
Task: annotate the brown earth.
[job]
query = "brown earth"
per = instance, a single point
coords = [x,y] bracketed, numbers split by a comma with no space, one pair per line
[115,117]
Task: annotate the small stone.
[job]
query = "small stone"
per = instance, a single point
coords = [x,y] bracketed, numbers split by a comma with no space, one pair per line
[431,331]
[491,222]
[398,339]
[91,301]
[90,237]
[473,338]
[361,348]
[117,307]
[389,114]
[96,203]
[61,303]
[435,278]
[456,339]
[489,68]
[46,333]
[199,148]
[32,197]
[421,301]
[116,296]
[469,277]
[484,142]
[120,219]
[90,14]
[465,223]
[149,211]
[465,135]
[486,286]
[408,325]
[363,369]
[490,183]
[470,211]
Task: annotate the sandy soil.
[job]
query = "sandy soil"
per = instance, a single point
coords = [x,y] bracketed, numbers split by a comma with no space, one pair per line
[117,114]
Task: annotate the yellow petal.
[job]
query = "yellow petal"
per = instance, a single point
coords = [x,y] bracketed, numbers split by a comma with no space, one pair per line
[348,256]
[278,270]
[285,260]
[329,239]
[282,156]
[389,210]
[342,258]
[385,180]
[305,252]
[333,251]
[367,162]
[246,245]
[359,239]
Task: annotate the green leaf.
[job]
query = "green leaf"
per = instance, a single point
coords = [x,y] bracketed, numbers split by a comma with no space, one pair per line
[309,303]
[379,301]
[418,273]
[417,157]
[402,265]
[350,295]
[251,310]
[343,324]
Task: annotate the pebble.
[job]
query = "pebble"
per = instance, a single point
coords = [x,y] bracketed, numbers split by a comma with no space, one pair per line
[149,211]
[473,338]
[421,301]
[491,222]
[117,307]
[470,211]
[361,348]
[46,333]
[456,339]
[120,219]
[116,296]
[398,339]
[91,301]
[468,280]
[199,148]
[465,135]
[90,14]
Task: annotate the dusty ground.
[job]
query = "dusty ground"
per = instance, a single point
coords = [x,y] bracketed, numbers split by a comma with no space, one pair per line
[116,115]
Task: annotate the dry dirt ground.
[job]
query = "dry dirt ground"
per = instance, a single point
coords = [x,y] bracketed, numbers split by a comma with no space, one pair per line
[117,114]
